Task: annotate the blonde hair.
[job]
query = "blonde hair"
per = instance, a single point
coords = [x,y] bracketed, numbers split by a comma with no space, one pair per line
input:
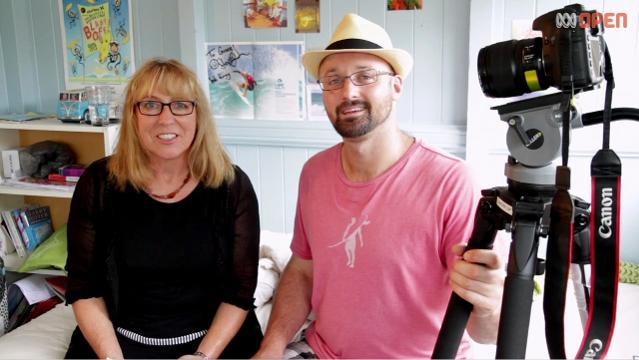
[207,160]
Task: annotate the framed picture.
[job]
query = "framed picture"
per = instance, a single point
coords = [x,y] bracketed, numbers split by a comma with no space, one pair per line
[307,16]
[97,42]
[393,5]
[260,14]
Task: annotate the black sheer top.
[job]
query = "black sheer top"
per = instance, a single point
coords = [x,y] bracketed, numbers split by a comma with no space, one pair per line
[163,269]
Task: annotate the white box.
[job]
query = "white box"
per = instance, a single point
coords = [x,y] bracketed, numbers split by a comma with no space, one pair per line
[11,164]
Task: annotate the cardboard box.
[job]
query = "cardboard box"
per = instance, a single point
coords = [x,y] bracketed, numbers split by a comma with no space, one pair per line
[11,164]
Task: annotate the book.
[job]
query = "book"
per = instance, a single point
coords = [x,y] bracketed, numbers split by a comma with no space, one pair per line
[16,238]
[11,163]
[41,307]
[6,244]
[37,224]
[43,184]
[21,230]
[71,170]
[64,178]
[18,306]
[25,117]
[261,81]
[58,285]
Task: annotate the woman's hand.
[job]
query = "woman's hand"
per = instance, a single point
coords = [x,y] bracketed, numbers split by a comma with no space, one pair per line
[195,356]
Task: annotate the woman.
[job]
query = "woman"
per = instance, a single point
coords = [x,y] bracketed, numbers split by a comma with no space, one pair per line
[164,234]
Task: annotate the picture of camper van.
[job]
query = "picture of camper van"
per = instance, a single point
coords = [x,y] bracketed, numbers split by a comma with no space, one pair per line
[73,106]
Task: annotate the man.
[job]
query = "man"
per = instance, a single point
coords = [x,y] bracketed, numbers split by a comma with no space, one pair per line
[379,220]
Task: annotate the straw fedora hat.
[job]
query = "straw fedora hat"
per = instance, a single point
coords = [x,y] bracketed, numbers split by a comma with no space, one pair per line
[356,34]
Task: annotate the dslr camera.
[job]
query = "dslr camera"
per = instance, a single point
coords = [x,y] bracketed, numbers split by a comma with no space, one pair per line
[568,56]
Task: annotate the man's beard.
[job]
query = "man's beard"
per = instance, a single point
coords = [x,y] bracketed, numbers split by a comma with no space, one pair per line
[362,125]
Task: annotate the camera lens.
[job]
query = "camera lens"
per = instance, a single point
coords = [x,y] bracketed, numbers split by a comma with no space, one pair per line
[512,68]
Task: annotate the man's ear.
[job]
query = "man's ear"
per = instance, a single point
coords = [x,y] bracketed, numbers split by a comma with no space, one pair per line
[398,87]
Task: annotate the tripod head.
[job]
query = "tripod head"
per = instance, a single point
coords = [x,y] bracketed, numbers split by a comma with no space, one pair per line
[534,136]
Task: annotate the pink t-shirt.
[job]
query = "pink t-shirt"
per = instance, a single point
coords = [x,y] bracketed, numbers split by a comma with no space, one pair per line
[381,251]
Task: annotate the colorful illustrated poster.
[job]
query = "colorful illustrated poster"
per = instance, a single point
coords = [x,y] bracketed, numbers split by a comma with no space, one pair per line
[265,13]
[262,81]
[97,42]
[405,4]
[307,16]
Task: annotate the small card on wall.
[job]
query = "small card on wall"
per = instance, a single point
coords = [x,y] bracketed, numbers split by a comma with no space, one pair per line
[264,14]
[315,103]
[404,5]
[307,16]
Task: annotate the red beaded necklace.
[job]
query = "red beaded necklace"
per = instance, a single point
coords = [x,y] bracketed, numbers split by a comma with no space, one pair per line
[172,194]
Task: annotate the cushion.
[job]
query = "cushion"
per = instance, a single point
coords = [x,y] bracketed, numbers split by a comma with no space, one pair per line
[267,279]
[52,253]
[275,246]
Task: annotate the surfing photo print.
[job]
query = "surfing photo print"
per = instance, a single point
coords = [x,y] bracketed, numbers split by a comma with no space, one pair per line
[261,81]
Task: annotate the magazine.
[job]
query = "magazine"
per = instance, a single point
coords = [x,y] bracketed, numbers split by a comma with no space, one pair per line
[42,184]
[25,117]
[262,81]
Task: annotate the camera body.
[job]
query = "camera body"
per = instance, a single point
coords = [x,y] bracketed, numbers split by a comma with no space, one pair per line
[569,56]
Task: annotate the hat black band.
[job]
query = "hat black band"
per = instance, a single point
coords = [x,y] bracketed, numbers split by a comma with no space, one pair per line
[352,44]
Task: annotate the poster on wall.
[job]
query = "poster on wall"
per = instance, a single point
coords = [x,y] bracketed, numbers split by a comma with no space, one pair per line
[97,41]
[393,5]
[262,81]
[307,16]
[315,103]
[265,13]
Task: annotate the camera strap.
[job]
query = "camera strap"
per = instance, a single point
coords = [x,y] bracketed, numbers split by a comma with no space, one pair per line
[604,243]
[558,251]
[605,171]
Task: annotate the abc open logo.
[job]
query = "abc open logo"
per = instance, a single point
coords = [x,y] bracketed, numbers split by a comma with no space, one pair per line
[591,20]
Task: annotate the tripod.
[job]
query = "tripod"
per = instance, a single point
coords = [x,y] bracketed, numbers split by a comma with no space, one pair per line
[523,209]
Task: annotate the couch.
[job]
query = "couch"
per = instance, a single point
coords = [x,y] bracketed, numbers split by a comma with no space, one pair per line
[47,336]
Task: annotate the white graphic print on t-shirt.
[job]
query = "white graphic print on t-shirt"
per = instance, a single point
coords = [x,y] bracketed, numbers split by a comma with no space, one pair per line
[350,238]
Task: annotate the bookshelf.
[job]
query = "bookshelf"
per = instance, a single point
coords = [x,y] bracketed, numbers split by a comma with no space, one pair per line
[88,142]
[13,262]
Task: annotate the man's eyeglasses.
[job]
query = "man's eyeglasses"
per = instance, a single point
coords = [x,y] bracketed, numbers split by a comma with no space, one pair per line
[153,108]
[360,78]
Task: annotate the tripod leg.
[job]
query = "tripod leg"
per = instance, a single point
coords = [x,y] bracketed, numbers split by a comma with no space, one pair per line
[487,222]
[518,290]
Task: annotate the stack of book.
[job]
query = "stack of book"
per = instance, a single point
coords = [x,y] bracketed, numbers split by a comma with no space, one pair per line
[28,298]
[68,173]
[64,178]
[23,229]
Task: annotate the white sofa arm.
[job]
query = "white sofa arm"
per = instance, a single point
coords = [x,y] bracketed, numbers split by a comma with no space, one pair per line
[45,337]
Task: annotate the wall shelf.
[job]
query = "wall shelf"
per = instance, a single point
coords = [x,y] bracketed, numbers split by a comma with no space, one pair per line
[22,191]
[13,262]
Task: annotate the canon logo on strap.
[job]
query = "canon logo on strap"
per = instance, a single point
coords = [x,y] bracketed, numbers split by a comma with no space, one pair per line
[607,202]
[594,347]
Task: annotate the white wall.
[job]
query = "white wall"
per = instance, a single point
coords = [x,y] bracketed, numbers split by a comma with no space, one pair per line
[491,22]
[273,152]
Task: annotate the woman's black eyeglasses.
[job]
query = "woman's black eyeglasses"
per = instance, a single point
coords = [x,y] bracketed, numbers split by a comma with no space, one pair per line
[153,108]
